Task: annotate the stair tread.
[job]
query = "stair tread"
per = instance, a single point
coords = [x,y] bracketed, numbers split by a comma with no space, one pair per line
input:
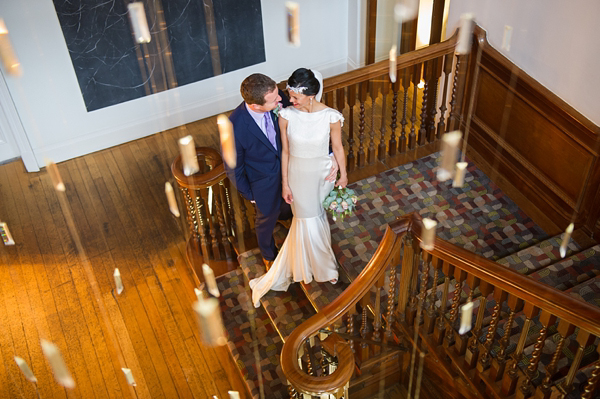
[539,255]
[572,270]
[235,306]
[588,291]
[288,309]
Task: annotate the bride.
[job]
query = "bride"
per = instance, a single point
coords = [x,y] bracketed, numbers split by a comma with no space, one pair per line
[306,130]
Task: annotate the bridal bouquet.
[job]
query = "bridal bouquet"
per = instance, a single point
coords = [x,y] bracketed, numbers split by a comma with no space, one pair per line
[340,202]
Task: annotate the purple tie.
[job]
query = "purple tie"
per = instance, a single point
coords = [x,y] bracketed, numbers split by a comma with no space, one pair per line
[270,129]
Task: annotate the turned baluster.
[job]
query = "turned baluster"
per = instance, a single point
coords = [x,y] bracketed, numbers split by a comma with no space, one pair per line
[373,92]
[592,382]
[190,212]
[351,100]
[440,325]
[472,351]
[364,347]
[405,274]
[526,388]
[362,98]
[221,220]
[195,205]
[385,87]
[485,358]
[228,210]
[509,381]
[584,339]
[206,219]
[412,137]
[412,304]
[433,79]
[350,325]
[308,351]
[390,302]
[243,211]
[430,315]
[447,70]
[405,87]
[376,336]
[460,276]
[454,119]
[392,146]
[423,127]
[499,363]
[544,391]
[292,392]
[461,340]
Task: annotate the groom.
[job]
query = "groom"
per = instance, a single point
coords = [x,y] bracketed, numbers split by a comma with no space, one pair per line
[257,175]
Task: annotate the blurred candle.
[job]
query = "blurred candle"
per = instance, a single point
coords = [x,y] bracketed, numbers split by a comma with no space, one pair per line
[118,281]
[25,369]
[171,199]
[209,279]
[465,34]
[405,10]
[188,155]
[506,39]
[55,176]
[59,368]
[428,234]
[459,177]
[210,322]
[293,22]
[129,376]
[393,60]
[234,395]
[466,315]
[227,140]
[7,54]
[450,142]
[565,240]
[199,294]
[137,16]
[5,233]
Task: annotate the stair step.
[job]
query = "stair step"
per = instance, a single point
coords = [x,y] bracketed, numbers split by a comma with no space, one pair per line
[236,308]
[588,291]
[538,255]
[287,310]
[571,271]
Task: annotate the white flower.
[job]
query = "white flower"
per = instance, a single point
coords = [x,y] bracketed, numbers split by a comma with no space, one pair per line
[355,199]
[333,205]
[334,219]
[344,205]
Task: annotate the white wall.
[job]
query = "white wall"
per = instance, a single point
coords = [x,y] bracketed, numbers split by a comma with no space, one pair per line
[51,108]
[554,41]
[357,31]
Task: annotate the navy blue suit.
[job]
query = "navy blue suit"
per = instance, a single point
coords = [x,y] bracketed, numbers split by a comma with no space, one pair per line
[257,175]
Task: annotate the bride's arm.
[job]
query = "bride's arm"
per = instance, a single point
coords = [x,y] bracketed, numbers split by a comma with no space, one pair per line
[338,152]
[286,193]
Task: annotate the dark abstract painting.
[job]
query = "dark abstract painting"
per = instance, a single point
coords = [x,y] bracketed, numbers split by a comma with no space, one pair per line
[191,40]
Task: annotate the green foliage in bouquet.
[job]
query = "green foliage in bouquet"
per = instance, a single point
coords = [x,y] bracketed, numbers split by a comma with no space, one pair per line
[340,202]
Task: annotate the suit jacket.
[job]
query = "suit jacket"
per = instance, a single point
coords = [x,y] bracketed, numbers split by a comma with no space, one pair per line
[257,175]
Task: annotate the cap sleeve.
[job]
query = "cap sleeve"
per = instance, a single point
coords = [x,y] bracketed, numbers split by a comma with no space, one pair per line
[285,113]
[335,116]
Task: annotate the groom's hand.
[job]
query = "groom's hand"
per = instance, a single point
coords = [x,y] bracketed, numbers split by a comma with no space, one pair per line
[333,172]
[286,193]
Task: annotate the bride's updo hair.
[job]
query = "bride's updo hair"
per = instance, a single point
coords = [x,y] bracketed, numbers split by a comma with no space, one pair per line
[303,77]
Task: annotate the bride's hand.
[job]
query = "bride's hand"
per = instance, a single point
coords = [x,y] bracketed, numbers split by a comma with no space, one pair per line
[333,171]
[342,181]
[286,193]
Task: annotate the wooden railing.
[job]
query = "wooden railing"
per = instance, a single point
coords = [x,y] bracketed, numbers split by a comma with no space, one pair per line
[479,363]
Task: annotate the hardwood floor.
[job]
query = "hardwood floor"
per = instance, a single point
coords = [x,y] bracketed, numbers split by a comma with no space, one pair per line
[57,282]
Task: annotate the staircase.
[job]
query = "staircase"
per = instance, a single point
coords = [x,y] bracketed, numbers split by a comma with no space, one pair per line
[477,217]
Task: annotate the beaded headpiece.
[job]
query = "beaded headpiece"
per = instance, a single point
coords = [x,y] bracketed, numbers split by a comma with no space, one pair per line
[297,90]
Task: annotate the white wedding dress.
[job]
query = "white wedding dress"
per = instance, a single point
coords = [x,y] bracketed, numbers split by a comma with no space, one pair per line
[306,252]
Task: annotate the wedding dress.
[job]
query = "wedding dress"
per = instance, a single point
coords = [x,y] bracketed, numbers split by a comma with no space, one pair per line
[306,253]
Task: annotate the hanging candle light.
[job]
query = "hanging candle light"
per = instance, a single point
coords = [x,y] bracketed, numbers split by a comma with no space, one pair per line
[459,176]
[139,23]
[227,140]
[118,281]
[465,34]
[211,282]
[55,176]
[11,64]
[25,369]
[171,199]
[188,155]
[450,143]
[393,64]
[292,10]
[59,368]
[405,10]
[199,294]
[234,394]
[565,240]
[129,376]
[428,235]
[210,322]
[466,315]
[7,238]
[507,37]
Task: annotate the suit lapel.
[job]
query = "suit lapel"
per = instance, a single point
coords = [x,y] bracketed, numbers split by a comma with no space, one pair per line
[255,130]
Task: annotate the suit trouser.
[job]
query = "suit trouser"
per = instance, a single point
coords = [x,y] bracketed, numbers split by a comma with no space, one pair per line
[264,226]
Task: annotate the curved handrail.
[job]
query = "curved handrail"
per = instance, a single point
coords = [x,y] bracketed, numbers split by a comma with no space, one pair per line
[203,180]
[540,295]
[335,310]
